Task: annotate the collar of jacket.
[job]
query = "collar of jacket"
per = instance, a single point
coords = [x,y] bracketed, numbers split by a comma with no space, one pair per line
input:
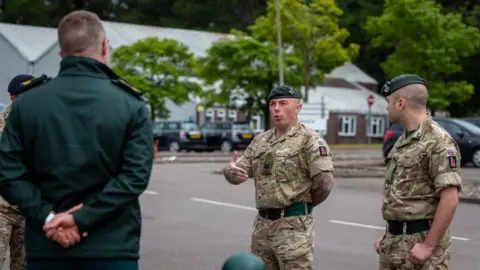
[419,133]
[84,66]
[291,132]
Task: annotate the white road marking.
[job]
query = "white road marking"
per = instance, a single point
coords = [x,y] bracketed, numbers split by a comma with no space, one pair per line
[357,224]
[380,228]
[331,221]
[150,192]
[223,204]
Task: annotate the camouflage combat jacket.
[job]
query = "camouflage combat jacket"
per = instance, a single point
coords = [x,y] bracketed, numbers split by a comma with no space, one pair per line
[3,120]
[418,168]
[3,117]
[283,168]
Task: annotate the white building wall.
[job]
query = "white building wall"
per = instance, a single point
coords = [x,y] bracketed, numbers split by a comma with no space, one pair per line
[12,64]
[48,63]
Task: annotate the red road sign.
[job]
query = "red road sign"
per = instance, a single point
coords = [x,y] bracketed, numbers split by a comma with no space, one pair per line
[371,100]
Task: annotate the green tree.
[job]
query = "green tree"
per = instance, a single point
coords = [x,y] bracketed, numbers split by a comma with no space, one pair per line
[310,29]
[427,42]
[246,69]
[160,68]
[354,19]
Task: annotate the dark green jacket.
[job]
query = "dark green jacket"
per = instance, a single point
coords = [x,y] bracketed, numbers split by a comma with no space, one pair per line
[82,137]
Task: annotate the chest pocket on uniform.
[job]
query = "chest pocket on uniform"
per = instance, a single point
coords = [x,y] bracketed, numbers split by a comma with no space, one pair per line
[411,160]
[287,164]
[412,174]
[258,160]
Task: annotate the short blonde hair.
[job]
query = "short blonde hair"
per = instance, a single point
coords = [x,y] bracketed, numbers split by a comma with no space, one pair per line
[415,94]
[80,32]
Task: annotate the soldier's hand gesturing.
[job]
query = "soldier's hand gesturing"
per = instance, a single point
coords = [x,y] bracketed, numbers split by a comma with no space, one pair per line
[235,174]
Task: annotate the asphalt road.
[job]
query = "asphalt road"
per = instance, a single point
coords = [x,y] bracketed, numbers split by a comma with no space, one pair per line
[195,220]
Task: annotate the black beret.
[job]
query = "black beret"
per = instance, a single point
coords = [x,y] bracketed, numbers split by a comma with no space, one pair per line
[283,91]
[15,85]
[401,81]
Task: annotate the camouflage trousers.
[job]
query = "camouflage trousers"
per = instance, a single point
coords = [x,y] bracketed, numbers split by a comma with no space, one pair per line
[12,227]
[286,243]
[394,253]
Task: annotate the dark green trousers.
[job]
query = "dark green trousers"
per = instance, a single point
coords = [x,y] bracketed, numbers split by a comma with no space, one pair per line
[82,265]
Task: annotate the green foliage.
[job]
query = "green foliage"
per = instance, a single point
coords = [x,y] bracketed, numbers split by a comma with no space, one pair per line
[311,30]
[245,68]
[427,42]
[160,69]
[354,19]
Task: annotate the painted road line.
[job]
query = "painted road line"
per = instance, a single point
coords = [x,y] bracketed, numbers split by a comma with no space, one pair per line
[223,204]
[150,192]
[380,228]
[357,224]
[354,224]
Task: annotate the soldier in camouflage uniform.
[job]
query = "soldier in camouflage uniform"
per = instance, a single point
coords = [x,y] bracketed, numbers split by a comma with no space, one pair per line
[12,223]
[422,183]
[293,172]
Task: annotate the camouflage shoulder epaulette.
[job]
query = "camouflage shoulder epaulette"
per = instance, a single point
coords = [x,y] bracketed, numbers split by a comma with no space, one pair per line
[35,82]
[128,88]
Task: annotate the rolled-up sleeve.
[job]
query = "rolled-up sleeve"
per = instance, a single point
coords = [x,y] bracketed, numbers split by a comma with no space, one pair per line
[245,161]
[317,156]
[445,165]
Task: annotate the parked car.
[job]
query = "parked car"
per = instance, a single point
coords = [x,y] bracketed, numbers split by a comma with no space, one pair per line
[390,137]
[466,134]
[473,120]
[175,136]
[227,136]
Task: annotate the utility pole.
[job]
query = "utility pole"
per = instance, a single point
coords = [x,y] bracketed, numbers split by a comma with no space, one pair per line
[370,101]
[279,41]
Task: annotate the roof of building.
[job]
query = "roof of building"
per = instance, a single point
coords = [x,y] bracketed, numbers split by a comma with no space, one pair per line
[125,34]
[32,42]
[348,100]
[351,72]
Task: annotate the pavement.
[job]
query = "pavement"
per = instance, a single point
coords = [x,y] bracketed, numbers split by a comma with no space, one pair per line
[340,153]
[358,164]
[193,219]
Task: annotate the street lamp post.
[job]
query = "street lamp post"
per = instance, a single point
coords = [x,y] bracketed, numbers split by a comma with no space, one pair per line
[279,41]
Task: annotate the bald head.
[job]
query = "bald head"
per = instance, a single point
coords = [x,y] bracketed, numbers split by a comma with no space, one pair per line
[415,94]
[81,33]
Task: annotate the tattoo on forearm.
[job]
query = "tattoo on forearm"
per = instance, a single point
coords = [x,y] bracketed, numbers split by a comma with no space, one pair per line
[322,186]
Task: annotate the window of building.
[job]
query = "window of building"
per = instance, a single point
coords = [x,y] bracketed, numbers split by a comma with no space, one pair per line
[221,115]
[209,114]
[348,126]
[377,127]
[232,115]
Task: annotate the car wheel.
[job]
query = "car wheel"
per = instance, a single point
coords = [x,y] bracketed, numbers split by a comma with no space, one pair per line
[476,158]
[226,147]
[174,147]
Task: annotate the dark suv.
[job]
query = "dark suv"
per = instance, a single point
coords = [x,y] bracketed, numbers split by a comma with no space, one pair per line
[464,133]
[227,136]
[175,136]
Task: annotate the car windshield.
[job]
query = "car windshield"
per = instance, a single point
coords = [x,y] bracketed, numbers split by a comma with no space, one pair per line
[243,127]
[158,126]
[190,126]
[468,126]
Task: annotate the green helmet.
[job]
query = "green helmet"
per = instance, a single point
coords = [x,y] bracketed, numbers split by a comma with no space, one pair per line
[244,261]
